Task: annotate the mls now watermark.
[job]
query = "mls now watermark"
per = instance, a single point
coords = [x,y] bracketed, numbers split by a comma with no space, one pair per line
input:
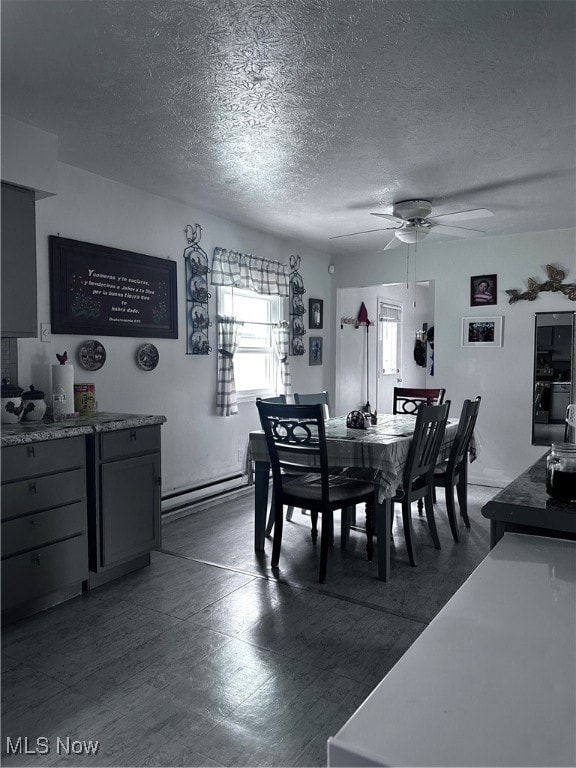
[22,745]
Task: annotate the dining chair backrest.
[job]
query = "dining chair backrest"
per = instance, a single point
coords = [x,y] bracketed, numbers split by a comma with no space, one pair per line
[425,446]
[466,425]
[408,399]
[295,438]
[277,399]
[314,398]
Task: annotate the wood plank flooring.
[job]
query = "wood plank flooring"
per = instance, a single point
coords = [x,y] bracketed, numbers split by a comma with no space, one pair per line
[205,659]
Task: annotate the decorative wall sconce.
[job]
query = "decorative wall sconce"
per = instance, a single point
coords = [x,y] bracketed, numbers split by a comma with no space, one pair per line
[554,283]
[297,308]
[197,318]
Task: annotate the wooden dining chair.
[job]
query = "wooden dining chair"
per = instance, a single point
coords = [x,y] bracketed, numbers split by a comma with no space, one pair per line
[279,399]
[418,476]
[452,473]
[407,400]
[296,441]
[312,398]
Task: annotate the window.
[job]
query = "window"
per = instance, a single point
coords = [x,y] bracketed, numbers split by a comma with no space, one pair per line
[389,324]
[255,362]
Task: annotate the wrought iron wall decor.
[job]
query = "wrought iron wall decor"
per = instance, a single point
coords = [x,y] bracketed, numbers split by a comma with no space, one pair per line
[197,317]
[554,283]
[297,308]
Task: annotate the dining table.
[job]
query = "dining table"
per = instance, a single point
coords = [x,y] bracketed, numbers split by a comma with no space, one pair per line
[377,454]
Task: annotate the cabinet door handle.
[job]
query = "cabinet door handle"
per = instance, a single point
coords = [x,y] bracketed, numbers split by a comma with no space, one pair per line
[158,480]
[30,452]
[32,487]
[36,558]
[133,435]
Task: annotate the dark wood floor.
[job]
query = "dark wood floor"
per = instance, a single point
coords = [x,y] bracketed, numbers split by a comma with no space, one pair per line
[205,659]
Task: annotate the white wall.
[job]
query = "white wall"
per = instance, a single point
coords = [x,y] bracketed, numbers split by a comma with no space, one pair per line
[197,444]
[351,369]
[29,157]
[502,376]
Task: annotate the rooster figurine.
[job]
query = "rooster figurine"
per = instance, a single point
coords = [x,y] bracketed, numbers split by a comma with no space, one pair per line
[62,358]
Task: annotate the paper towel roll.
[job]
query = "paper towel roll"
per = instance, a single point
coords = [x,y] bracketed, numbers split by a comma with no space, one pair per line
[63,376]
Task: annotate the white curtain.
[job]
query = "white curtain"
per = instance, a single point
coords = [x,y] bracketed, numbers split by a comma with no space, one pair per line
[281,339]
[227,344]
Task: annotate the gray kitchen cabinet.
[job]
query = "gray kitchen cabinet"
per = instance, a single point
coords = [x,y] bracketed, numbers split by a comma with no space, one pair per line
[19,309]
[125,502]
[44,524]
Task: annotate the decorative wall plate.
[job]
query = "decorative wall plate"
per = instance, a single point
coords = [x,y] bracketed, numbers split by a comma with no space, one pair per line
[147,357]
[91,355]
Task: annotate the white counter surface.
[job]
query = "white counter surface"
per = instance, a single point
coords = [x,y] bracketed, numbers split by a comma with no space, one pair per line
[491,681]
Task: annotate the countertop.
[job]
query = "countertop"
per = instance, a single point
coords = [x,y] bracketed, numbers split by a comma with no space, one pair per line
[490,682]
[526,502]
[36,431]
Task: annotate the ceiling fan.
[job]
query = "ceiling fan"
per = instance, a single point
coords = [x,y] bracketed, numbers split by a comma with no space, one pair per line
[413,224]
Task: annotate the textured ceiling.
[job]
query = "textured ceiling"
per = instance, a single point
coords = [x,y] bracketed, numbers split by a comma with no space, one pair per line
[302,116]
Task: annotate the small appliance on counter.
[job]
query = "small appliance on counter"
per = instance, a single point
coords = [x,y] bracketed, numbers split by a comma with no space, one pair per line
[12,405]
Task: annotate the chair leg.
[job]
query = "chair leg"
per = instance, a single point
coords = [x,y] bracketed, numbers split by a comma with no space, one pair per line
[327,526]
[271,517]
[420,507]
[277,543]
[370,529]
[289,513]
[345,523]
[429,505]
[314,531]
[408,532]
[451,510]
[462,493]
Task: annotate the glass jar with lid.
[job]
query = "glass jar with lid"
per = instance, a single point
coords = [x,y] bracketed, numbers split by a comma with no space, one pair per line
[561,472]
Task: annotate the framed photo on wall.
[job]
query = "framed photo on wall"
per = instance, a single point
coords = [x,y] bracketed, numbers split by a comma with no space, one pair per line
[315,313]
[315,351]
[483,290]
[481,331]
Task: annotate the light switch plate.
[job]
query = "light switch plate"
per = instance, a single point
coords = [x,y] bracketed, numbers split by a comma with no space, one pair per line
[45,332]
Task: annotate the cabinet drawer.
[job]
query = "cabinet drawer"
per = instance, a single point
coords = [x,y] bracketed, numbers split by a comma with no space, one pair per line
[43,528]
[39,493]
[43,570]
[19,461]
[129,442]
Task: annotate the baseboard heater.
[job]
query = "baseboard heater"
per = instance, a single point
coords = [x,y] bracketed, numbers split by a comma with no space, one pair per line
[202,494]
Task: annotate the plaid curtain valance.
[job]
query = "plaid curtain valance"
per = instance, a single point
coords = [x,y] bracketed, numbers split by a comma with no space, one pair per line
[241,270]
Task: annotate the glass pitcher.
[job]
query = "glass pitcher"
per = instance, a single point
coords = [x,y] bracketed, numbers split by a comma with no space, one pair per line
[561,472]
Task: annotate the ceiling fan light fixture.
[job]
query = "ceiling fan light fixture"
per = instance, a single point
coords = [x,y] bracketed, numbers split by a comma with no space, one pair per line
[411,234]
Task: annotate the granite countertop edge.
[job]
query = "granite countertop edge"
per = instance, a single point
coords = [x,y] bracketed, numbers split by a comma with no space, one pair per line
[95,424]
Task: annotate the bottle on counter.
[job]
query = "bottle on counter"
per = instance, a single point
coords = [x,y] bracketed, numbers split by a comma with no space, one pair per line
[59,403]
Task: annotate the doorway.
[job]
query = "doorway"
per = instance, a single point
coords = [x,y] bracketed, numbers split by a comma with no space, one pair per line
[357,378]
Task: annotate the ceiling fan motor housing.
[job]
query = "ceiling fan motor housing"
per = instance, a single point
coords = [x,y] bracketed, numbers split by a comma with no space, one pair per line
[412,209]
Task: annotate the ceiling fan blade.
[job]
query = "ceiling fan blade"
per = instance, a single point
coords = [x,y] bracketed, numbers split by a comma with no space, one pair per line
[389,217]
[394,243]
[476,213]
[364,232]
[441,229]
